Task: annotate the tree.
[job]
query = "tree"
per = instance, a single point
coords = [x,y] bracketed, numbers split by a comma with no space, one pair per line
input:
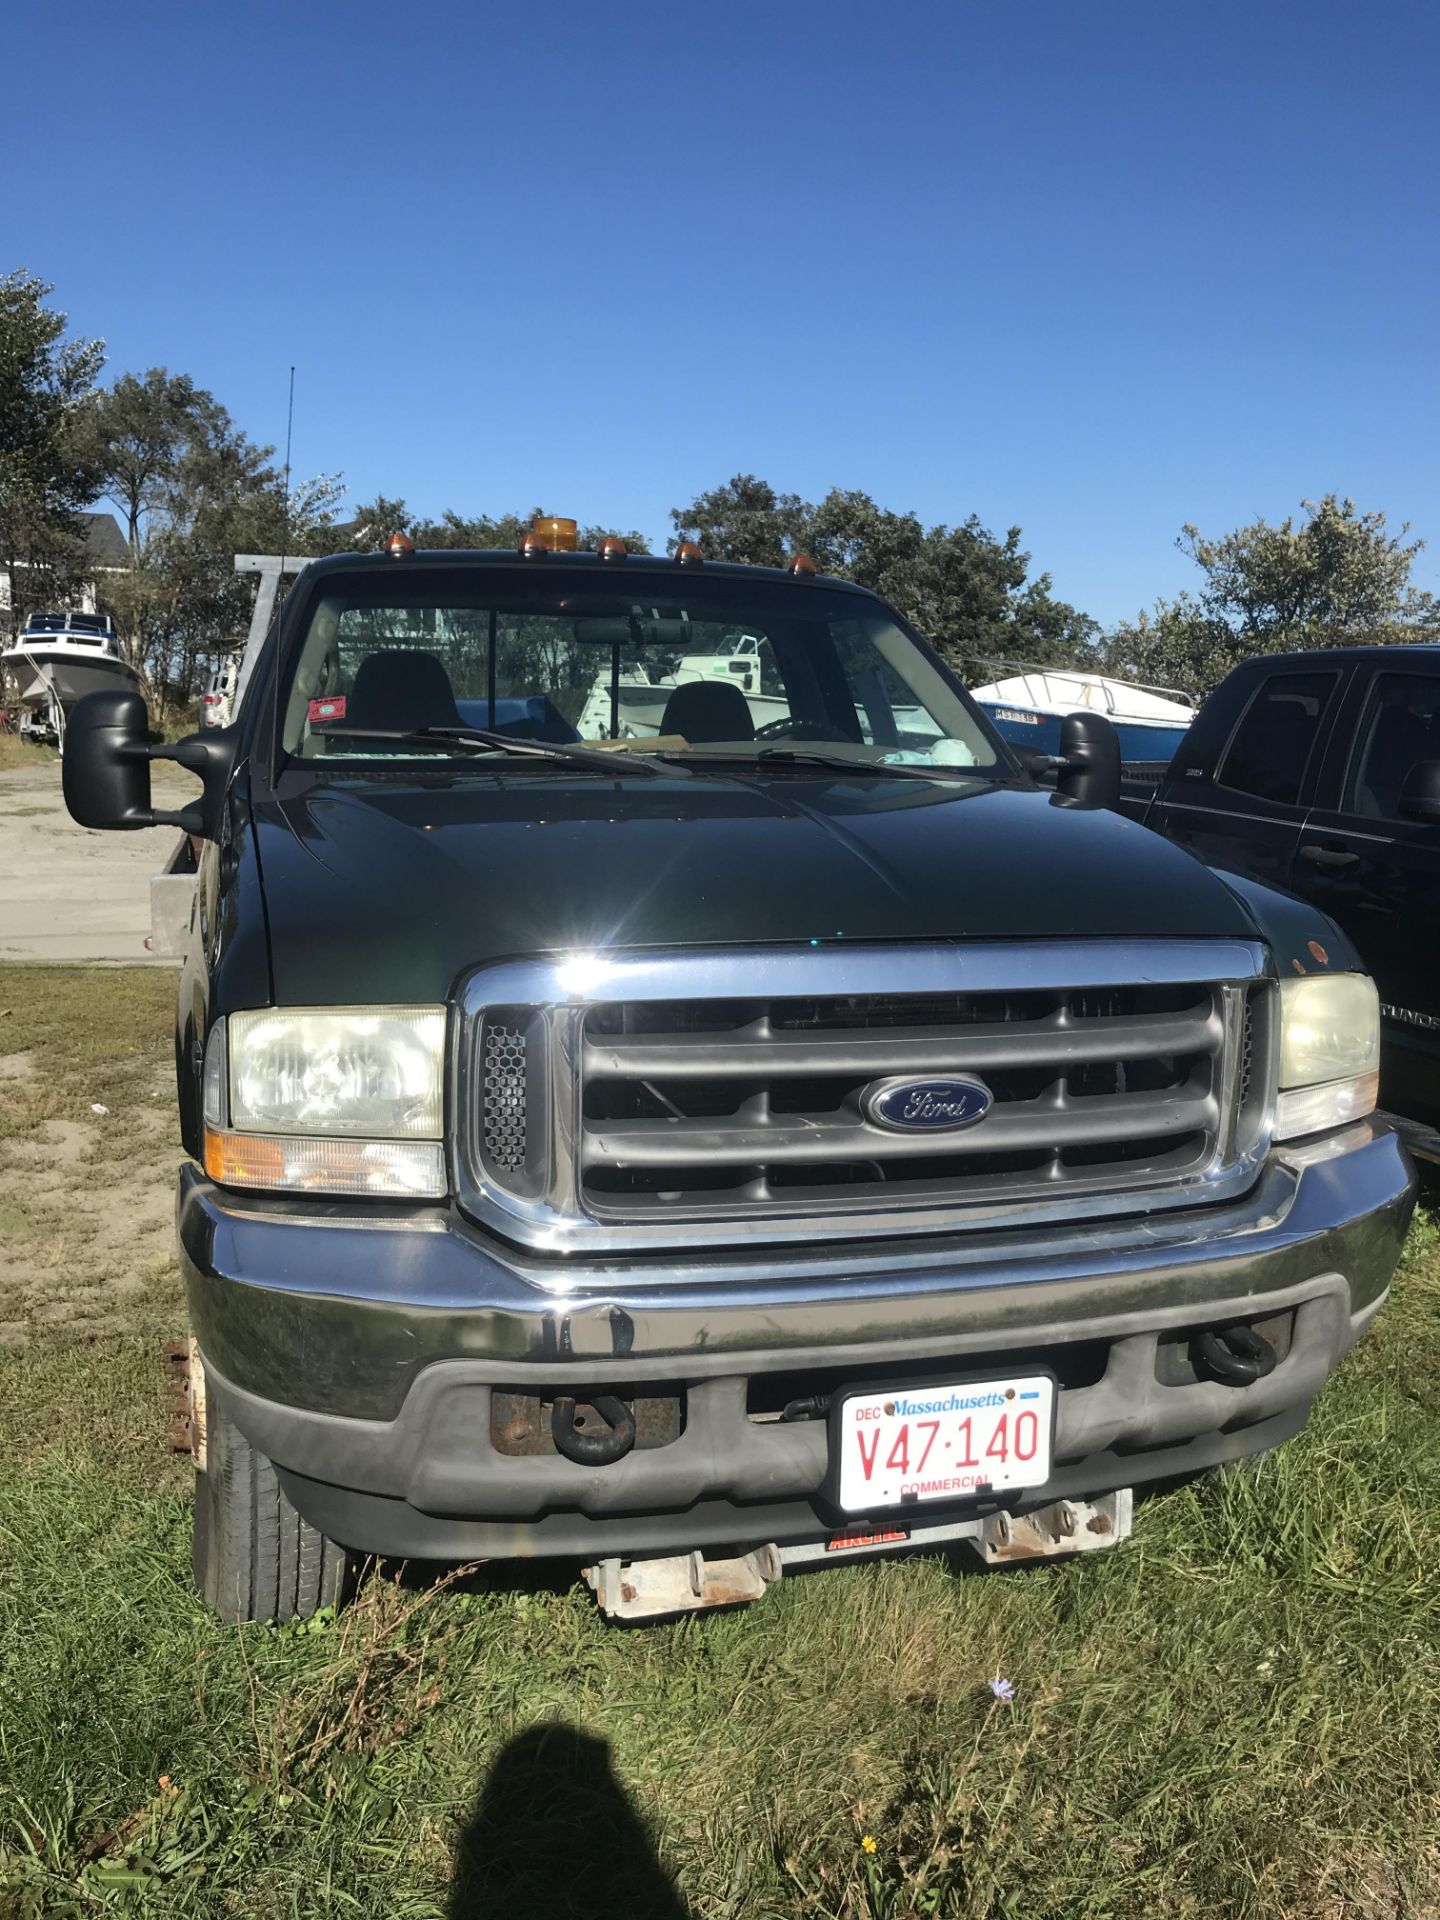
[1176,648]
[368,527]
[45,477]
[136,433]
[745,521]
[194,490]
[1338,579]
[965,590]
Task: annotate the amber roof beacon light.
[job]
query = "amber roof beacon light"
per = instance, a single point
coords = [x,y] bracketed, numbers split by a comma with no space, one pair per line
[551,534]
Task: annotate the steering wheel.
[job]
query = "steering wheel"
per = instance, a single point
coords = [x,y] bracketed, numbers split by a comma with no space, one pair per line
[798,729]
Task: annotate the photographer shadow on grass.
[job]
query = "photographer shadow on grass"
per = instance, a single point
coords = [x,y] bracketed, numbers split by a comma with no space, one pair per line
[554,1834]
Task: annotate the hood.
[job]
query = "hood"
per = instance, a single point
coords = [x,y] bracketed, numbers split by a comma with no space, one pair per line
[379,891]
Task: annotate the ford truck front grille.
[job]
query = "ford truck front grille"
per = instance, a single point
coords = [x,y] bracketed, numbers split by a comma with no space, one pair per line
[680,1098]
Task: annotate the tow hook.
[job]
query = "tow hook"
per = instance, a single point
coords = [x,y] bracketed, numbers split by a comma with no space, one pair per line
[1237,1355]
[579,1440]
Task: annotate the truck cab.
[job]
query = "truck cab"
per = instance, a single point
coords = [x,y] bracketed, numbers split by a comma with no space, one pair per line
[695,1123]
[1319,773]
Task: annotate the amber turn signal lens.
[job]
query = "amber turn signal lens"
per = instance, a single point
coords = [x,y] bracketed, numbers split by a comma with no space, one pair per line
[802,567]
[243,1160]
[392,1169]
[612,547]
[689,555]
[399,545]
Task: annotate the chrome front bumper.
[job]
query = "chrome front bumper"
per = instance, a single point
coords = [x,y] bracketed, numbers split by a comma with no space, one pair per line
[359,1348]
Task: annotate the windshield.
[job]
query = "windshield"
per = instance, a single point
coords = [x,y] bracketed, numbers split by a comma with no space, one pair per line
[728,669]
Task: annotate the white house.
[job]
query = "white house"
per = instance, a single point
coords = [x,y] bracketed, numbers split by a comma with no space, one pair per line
[106,549]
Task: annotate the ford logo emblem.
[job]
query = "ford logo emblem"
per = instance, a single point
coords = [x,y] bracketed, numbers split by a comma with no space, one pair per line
[925,1106]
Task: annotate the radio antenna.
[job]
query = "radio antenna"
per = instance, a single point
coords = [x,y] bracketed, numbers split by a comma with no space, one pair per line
[289,431]
[285,520]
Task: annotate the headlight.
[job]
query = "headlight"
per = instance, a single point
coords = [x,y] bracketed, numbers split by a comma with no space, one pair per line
[1329,1052]
[328,1100]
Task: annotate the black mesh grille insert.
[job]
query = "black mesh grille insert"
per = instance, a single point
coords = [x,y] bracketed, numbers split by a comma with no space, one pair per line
[504,1100]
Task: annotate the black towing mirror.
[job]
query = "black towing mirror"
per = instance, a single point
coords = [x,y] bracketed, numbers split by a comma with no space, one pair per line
[106,766]
[1088,770]
[1420,795]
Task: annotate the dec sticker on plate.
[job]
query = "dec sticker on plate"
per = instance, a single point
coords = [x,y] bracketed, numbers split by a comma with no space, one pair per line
[947,1442]
[332,708]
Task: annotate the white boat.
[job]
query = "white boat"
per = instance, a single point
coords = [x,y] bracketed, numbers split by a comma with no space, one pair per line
[62,656]
[641,700]
[1028,705]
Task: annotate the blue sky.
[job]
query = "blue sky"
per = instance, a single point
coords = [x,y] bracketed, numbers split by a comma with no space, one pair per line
[1095,269]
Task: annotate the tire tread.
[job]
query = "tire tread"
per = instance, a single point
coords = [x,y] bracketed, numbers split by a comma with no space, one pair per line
[255,1557]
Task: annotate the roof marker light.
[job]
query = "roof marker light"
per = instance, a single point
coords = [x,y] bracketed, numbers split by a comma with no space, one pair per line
[399,546]
[687,554]
[612,547]
[801,567]
[551,534]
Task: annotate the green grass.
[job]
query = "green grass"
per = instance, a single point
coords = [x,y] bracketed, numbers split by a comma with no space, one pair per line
[1236,1713]
[15,752]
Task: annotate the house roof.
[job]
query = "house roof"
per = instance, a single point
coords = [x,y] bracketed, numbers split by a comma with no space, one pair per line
[104,542]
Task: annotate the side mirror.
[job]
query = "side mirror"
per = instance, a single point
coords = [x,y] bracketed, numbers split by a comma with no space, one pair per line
[106,766]
[1420,795]
[1089,770]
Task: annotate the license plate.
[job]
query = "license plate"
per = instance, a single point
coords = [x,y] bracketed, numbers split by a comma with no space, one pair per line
[901,1446]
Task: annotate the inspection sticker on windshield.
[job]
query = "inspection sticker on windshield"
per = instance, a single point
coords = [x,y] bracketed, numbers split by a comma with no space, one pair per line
[901,1446]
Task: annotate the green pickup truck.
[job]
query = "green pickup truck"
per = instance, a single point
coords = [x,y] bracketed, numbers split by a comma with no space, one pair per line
[665,1087]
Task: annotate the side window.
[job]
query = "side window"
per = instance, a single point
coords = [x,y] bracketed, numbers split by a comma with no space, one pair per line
[1269,750]
[1400,726]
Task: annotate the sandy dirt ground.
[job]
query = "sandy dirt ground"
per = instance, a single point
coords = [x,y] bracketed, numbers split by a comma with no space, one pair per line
[84,1237]
[88,1148]
[67,893]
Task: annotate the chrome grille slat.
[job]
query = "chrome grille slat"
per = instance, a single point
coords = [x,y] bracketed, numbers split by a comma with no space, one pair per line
[688,1098]
[1066,1189]
[814,1140]
[757,1049]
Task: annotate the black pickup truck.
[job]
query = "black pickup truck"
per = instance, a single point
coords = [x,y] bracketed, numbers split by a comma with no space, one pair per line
[663,1085]
[1320,773]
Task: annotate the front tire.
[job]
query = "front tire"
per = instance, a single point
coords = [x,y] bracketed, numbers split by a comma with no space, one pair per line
[254,1556]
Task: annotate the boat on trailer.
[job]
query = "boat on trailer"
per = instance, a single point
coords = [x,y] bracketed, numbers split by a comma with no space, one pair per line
[56,660]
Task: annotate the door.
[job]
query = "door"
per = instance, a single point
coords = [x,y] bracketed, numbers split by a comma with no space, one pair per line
[1378,873]
[1246,814]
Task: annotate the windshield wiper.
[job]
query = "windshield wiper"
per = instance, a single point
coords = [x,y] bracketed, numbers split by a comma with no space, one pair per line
[481,740]
[817,756]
